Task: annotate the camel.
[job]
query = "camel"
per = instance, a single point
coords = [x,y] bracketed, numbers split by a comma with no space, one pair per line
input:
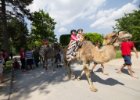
[88,53]
[48,53]
[105,43]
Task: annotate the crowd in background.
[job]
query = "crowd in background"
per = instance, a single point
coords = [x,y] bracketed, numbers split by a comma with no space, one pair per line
[27,60]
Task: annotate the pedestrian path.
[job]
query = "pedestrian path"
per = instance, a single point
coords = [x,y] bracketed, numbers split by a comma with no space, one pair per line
[39,84]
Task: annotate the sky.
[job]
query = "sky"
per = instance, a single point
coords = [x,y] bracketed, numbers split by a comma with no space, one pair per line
[91,15]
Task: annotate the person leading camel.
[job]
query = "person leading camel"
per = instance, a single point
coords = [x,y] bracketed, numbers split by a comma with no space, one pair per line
[126,47]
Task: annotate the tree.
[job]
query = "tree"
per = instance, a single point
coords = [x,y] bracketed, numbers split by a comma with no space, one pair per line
[18,33]
[64,39]
[94,37]
[131,23]
[17,9]
[43,26]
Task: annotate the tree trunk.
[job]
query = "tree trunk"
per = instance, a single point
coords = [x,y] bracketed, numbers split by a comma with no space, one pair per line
[5,36]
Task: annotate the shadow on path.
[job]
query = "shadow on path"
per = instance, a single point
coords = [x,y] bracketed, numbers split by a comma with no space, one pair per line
[36,80]
[96,78]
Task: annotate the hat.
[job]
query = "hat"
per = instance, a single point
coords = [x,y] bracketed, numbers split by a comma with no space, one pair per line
[125,35]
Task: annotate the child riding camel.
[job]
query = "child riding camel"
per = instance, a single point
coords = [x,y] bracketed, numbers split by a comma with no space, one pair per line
[72,45]
[76,36]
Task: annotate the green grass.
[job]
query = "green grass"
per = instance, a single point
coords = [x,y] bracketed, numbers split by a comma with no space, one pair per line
[8,66]
[118,55]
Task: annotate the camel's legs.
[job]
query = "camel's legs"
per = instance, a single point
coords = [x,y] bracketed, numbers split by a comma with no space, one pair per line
[88,75]
[82,73]
[67,66]
[70,73]
[53,64]
[93,67]
[69,70]
[45,64]
[103,70]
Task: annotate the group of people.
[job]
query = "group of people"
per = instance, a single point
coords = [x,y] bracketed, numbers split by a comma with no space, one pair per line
[76,37]
[29,58]
[4,57]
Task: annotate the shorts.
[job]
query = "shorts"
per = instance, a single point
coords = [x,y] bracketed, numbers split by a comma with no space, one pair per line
[127,60]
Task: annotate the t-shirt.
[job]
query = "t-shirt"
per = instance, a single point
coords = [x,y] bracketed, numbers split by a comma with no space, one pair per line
[126,48]
[22,54]
[29,55]
[80,37]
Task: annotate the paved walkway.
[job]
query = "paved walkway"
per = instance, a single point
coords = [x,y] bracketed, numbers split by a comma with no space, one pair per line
[5,88]
[39,84]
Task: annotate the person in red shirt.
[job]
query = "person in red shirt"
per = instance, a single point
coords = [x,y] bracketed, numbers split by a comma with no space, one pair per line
[22,59]
[126,47]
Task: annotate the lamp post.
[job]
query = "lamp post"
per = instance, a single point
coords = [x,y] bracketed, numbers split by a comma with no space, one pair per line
[11,48]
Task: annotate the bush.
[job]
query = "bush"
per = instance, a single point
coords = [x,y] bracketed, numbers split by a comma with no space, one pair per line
[94,37]
[8,66]
[118,54]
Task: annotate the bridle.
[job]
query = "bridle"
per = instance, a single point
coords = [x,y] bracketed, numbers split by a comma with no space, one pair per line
[113,40]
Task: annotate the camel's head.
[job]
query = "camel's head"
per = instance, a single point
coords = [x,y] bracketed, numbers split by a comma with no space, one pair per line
[111,38]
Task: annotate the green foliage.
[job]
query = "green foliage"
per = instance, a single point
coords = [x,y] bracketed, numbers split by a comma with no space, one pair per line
[64,39]
[94,37]
[118,54]
[16,9]
[33,42]
[43,26]
[8,66]
[131,23]
[8,63]
[18,33]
